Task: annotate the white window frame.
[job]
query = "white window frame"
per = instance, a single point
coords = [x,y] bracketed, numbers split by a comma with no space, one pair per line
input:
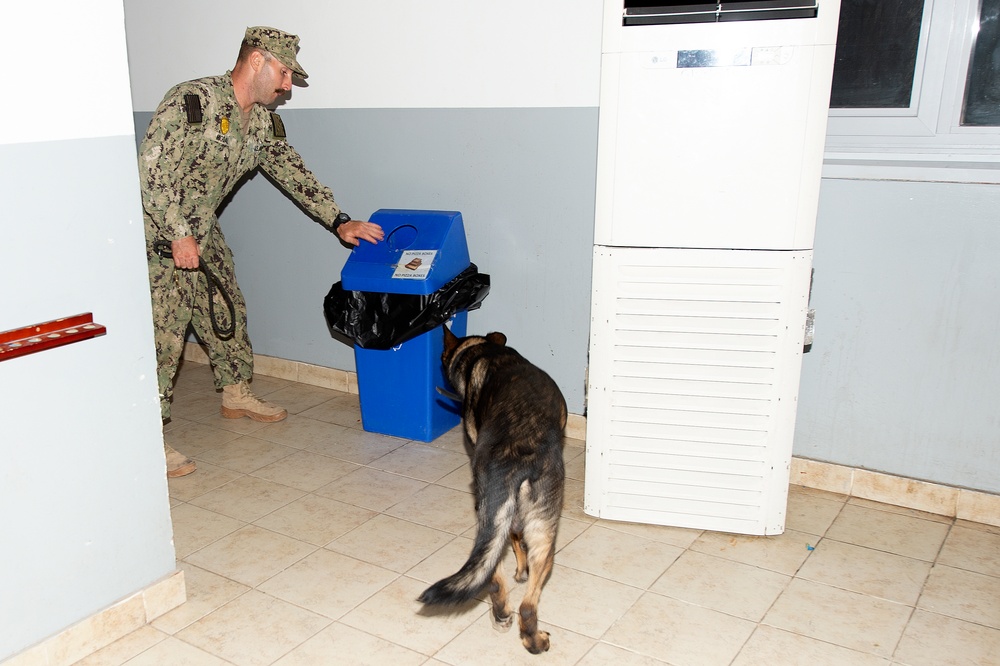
[926,141]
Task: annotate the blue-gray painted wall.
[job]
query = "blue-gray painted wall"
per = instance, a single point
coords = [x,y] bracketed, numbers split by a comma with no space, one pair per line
[83,489]
[904,372]
[523,180]
[904,375]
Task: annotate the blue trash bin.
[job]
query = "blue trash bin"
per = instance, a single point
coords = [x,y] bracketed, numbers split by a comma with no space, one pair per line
[423,250]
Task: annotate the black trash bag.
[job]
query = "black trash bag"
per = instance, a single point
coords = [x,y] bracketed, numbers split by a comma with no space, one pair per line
[375,320]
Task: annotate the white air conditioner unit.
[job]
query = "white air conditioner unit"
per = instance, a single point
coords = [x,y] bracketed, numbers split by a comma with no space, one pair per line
[712,127]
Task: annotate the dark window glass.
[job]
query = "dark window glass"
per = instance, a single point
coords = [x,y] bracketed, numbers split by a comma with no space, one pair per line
[876,53]
[982,89]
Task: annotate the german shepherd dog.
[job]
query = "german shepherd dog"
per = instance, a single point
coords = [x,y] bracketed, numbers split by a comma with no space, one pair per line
[513,416]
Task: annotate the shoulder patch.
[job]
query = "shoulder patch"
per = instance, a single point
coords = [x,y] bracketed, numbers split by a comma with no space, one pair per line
[279,127]
[192,104]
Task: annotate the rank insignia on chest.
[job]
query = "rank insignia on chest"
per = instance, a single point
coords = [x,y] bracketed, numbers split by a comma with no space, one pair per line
[224,125]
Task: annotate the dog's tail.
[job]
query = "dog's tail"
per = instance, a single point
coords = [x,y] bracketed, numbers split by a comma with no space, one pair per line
[492,536]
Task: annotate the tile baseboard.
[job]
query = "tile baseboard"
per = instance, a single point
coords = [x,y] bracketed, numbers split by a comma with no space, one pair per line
[961,503]
[331,378]
[105,627]
[950,501]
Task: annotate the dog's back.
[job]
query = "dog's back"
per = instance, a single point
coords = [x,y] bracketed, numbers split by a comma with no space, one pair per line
[514,416]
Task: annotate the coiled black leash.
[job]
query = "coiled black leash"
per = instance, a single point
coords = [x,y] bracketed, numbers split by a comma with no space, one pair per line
[165,250]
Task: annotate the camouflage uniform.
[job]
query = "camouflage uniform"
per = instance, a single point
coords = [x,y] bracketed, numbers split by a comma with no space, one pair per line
[186,169]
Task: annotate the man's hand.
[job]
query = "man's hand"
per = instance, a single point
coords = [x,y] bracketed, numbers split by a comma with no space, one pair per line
[354,231]
[185,252]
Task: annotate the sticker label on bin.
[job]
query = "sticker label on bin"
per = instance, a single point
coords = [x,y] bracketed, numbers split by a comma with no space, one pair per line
[414,264]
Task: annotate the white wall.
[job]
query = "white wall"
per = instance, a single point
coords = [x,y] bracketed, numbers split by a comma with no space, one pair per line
[83,494]
[388,54]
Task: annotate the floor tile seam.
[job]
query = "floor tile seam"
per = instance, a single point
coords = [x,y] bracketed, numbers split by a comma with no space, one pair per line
[969,569]
[952,616]
[173,634]
[306,493]
[201,650]
[341,459]
[628,649]
[618,526]
[863,593]
[313,495]
[931,611]
[940,549]
[458,565]
[189,500]
[479,603]
[313,551]
[276,659]
[279,534]
[409,478]
[200,456]
[966,569]
[840,512]
[732,557]
[687,602]
[763,623]
[93,655]
[979,528]
[871,548]
[268,513]
[899,639]
[429,482]
[435,656]
[426,526]
[745,642]
[387,515]
[866,595]
[335,620]
[379,638]
[788,577]
[311,491]
[242,524]
[900,510]
[371,518]
[252,475]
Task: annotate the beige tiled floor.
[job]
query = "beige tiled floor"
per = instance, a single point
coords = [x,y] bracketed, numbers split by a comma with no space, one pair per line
[307,542]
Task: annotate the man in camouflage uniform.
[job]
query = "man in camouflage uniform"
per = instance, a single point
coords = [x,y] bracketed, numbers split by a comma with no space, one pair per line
[204,137]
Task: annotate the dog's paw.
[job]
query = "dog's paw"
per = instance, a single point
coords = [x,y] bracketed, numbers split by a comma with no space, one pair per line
[521,575]
[502,624]
[536,644]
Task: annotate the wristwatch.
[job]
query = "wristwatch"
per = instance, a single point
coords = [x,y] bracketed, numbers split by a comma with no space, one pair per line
[339,220]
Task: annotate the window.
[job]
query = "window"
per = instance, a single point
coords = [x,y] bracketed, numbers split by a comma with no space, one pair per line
[876,54]
[916,91]
[982,90]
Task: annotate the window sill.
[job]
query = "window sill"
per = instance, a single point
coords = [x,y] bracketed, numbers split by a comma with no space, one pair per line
[918,167]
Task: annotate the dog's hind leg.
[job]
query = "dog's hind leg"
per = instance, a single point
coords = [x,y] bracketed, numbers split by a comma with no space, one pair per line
[521,555]
[500,614]
[541,554]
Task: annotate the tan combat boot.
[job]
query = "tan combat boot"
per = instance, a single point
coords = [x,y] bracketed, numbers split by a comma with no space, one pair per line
[178,464]
[238,400]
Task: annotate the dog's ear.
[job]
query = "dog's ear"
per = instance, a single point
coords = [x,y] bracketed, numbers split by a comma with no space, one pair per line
[450,340]
[497,338]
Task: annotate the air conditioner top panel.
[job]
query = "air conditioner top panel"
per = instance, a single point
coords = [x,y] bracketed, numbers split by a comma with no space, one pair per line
[660,12]
[654,25]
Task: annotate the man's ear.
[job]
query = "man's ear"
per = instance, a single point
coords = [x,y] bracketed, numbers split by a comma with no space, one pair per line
[256,60]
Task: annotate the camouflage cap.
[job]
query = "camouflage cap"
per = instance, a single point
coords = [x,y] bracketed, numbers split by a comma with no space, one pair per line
[281,45]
